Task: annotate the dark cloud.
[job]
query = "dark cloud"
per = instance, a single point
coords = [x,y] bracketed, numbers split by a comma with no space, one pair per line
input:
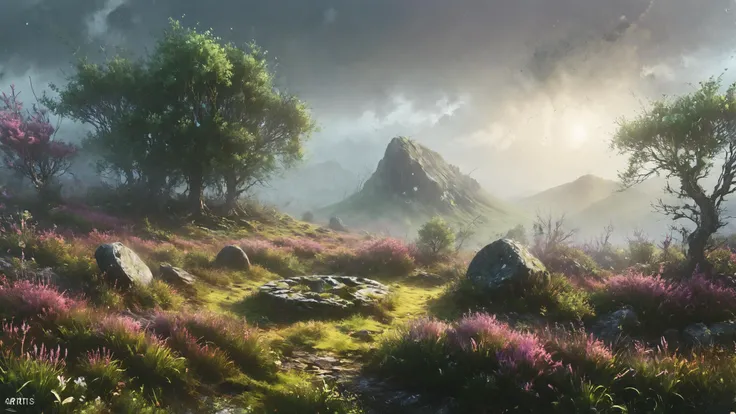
[507,61]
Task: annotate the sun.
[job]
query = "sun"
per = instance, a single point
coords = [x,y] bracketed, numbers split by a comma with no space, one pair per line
[578,134]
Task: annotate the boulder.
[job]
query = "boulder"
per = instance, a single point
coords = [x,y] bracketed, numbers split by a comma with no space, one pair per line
[122,265]
[326,295]
[232,257]
[336,224]
[506,262]
[176,276]
[613,326]
[724,333]
[697,334]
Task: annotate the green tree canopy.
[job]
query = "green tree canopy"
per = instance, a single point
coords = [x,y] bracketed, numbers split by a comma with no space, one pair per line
[684,139]
[196,110]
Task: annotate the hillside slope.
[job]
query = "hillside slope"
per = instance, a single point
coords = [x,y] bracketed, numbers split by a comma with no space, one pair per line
[571,198]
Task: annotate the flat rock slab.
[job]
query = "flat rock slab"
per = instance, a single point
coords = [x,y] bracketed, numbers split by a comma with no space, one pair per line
[329,294]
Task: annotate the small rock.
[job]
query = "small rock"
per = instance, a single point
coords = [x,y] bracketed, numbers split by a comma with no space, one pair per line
[363,335]
[613,326]
[232,257]
[428,278]
[697,334]
[176,276]
[122,265]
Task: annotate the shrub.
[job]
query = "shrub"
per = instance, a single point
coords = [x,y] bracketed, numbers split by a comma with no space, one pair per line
[569,260]
[270,256]
[436,240]
[24,299]
[384,256]
[642,251]
[483,363]
[558,299]
[308,217]
[103,372]
[241,343]
[208,361]
[37,374]
[477,353]
[305,398]
[662,304]
[723,262]
[301,247]
[157,294]
[517,234]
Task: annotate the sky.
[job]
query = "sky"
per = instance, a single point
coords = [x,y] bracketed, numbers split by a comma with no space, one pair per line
[523,94]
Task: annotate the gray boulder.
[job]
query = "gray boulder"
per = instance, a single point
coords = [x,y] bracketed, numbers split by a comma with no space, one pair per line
[232,257]
[697,334]
[614,326]
[506,262]
[176,276]
[122,265]
[336,224]
[724,333]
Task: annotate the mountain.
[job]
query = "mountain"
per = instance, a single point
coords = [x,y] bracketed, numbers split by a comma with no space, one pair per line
[310,187]
[627,211]
[570,198]
[413,183]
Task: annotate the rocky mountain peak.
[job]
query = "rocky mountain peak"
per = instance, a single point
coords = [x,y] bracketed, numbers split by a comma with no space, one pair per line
[413,172]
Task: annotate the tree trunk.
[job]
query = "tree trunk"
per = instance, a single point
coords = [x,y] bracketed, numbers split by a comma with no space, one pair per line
[698,242]
[231,192]
[196,188]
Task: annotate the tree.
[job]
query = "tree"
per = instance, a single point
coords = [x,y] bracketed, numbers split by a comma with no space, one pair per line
[117,100]
[436,239]
[268,127]
[195,111]
[28,145]
[681,139]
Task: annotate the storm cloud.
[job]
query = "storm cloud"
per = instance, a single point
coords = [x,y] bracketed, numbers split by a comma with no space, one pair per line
[523,93]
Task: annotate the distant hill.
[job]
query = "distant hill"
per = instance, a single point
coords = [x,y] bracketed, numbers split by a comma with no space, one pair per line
[413,183]
[570,198]
[310,187]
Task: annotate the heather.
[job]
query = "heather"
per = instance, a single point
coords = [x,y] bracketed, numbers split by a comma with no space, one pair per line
[480,362]
[663,303]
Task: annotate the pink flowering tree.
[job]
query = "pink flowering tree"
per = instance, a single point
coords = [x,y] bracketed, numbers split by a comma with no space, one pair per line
[27,143]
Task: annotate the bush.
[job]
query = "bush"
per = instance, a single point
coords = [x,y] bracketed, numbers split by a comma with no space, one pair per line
[301,247]
[723,262]
[558,300]
[436,240]
[570,261]
[385,256]
[483,363]
[24,299]
[306,398]
[242,344]
[308,217]
[662,304]
[273,258]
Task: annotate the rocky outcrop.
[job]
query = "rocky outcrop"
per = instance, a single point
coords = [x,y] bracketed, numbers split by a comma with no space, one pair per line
[505,263]
[326,295]
[232,257]
[122,266]
[176,276]
[336,224]
[697,334]
[616,325]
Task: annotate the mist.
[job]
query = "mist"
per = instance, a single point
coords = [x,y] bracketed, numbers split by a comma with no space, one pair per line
[522,96]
